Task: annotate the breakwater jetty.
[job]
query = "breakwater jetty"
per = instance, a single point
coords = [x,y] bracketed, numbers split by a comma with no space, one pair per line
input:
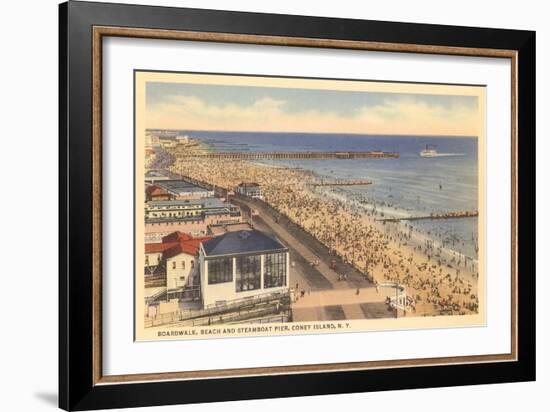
[432,216]
[290,155]
[342,182]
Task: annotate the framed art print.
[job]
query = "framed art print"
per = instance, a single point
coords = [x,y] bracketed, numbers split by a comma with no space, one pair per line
[259,205]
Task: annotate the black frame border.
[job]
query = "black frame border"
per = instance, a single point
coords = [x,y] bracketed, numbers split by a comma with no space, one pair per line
[77,390]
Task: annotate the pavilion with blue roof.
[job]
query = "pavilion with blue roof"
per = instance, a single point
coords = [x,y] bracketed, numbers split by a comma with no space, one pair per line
[240,265]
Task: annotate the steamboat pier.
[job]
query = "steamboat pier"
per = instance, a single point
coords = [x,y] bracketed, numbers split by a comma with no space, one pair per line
[291,155]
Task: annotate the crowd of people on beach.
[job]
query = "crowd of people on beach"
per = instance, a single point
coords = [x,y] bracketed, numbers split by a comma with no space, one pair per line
[437,282]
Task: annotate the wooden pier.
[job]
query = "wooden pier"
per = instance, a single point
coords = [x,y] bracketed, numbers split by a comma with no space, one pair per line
[291,155]
[433,216]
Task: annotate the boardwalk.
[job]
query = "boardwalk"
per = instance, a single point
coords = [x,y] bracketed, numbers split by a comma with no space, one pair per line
[338,304]
[326,298]
[290,155]
[304,247]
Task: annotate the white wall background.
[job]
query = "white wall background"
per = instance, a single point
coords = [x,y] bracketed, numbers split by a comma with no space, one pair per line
[28,166]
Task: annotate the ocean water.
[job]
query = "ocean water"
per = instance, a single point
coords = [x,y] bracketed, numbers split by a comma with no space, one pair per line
[407,186]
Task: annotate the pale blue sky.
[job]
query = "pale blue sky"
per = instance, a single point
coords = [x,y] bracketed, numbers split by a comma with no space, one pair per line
[297,100]
[254,108]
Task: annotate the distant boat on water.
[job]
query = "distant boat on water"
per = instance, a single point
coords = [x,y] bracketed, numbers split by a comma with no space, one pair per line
[429,151]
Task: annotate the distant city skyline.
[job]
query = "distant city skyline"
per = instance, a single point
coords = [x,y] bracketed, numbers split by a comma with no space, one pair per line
[209,107]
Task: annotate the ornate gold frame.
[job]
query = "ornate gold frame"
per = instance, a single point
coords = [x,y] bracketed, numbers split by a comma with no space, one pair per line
[102,31]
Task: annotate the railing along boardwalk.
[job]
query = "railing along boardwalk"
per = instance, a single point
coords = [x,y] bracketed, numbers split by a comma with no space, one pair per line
[291,155]
[235,310]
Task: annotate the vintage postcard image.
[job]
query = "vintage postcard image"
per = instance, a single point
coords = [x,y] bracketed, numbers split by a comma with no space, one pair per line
[277,205]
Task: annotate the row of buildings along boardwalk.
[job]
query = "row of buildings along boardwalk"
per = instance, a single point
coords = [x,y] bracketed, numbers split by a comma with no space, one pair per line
[204,263]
